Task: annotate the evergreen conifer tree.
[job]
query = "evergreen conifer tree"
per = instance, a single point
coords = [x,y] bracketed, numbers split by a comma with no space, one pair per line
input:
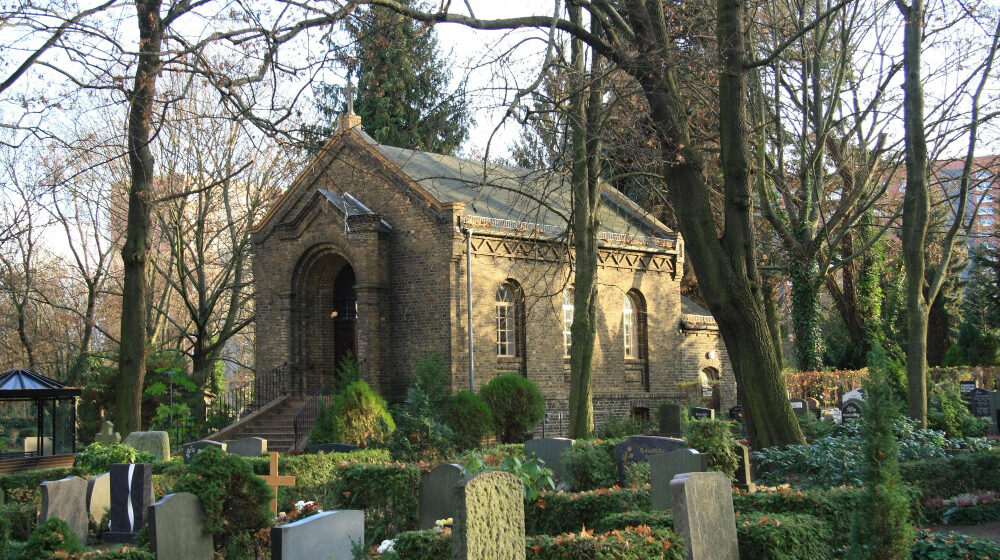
[403,95]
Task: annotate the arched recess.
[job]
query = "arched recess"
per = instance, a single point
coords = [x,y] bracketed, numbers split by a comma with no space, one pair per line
[711,388]
[324,316]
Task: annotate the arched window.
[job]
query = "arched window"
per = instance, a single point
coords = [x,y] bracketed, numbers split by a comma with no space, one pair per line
[709,378]
[510,322]
[567,315]
[634,326]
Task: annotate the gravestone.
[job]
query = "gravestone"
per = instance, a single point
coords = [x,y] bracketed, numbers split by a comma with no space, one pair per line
[994,413]
[437,493]
[177,529]
[663,468]
[814,406]
[967,387]
[248,447]
[155,443]
[331,534]
[743,479]
[670,420]
[67,500]
[736,414]
[549,450]
[856,394]
[108,436]
[331,448]
[799,406]
[131,495]
[489,518]
[703,515]
[31,445]
[702,413]
[99,496]
[638,449]
[835,415]
[979,402]
[850,412]
[192,449]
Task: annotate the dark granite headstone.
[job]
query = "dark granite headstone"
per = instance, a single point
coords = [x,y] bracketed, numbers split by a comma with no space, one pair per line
[702,413]
[979,402]
[131,495]
[850,412]
[663,468]
[638,449]
[437,493]
[192,449]
[331,448]
[800,406]
[736,413]
[549,450]
[670,419]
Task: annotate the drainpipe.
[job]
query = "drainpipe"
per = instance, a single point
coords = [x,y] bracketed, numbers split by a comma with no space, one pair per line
[468,295]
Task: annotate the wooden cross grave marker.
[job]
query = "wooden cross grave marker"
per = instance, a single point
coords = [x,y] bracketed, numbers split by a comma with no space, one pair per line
[274,481]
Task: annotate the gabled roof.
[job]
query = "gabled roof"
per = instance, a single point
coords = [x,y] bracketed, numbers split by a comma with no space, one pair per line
[695,317]
[20,384]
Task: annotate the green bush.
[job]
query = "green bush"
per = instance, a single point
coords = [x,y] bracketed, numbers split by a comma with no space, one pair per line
[358,415]
[954,474]
[419,434]
[315,473]
[952,546]
[433,377]
[23,487]
[555,513]
[834,506]
[97,458]
[387,493]
[18,520]
[51,538]
[948,412]
[535,476]
[469,418]
[881,527]
[425,545]
[590,464]
[637,543]
[783,537]
[634,519]
[235,500]
[715,439]
[814,429]
[516,403]
[123,552]
[620,427]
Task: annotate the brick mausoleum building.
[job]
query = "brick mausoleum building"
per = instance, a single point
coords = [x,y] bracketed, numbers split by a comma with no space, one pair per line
[367,250]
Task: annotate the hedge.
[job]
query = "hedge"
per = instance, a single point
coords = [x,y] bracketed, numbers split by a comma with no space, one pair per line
[635,543]
[18,520]
[387,493]
[784,536]
[955,474]
[634,519]
[23,487]
[835,506]
[555,513]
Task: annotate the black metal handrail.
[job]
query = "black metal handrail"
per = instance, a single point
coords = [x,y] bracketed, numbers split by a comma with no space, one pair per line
[250,396]
[305,417]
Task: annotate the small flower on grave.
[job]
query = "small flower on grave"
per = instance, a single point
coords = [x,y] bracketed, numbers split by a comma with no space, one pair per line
[302,510]
[386,546]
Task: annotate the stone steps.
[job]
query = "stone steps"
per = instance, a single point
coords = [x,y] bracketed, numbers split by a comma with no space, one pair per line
[277,426]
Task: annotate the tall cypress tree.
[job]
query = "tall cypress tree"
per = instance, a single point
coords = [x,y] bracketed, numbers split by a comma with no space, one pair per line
[403,94]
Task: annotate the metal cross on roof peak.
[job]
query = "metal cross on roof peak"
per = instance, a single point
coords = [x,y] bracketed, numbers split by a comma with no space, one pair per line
[349,91]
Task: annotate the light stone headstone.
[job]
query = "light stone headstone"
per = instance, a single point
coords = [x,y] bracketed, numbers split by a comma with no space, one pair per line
[703,515]
[108,436]
[551,451]
[67,500]
[663,468]
[99,496]
[489,518]
[670,420]
[247,447]
[131,495]
[437,493]
[856,394]
[330,534]
[193,448]
[638,449]
[155,443]
[31,445]
[743,479]
[177,529]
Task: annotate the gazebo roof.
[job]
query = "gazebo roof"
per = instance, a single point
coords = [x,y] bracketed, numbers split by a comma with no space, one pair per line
[22,384]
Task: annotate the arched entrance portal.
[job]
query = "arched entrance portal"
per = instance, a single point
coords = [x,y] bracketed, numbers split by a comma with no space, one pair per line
[324,318]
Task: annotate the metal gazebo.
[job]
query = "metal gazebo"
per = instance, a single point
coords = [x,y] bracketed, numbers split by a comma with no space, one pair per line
[55,412]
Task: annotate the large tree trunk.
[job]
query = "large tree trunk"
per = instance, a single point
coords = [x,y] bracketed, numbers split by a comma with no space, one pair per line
[916,210]
[132,360]
[773,317]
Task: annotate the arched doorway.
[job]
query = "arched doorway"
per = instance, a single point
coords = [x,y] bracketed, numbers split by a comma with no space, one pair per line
[709,378]
[324,326]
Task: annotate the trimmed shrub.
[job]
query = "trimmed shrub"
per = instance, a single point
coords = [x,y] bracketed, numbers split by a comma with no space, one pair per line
[426,545]
[23,487]
[419,435]
[315,472]
[18,521]
[516,403]
[634,519]
[952,546]
[51,539]
[715,439]
[777,536]
[433,378]
[590,464]
[358,415]
[387,493]
[96,458]
[947,476]
[469,418]
[235,500]
[834,506]
[555,513]
[634,543]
